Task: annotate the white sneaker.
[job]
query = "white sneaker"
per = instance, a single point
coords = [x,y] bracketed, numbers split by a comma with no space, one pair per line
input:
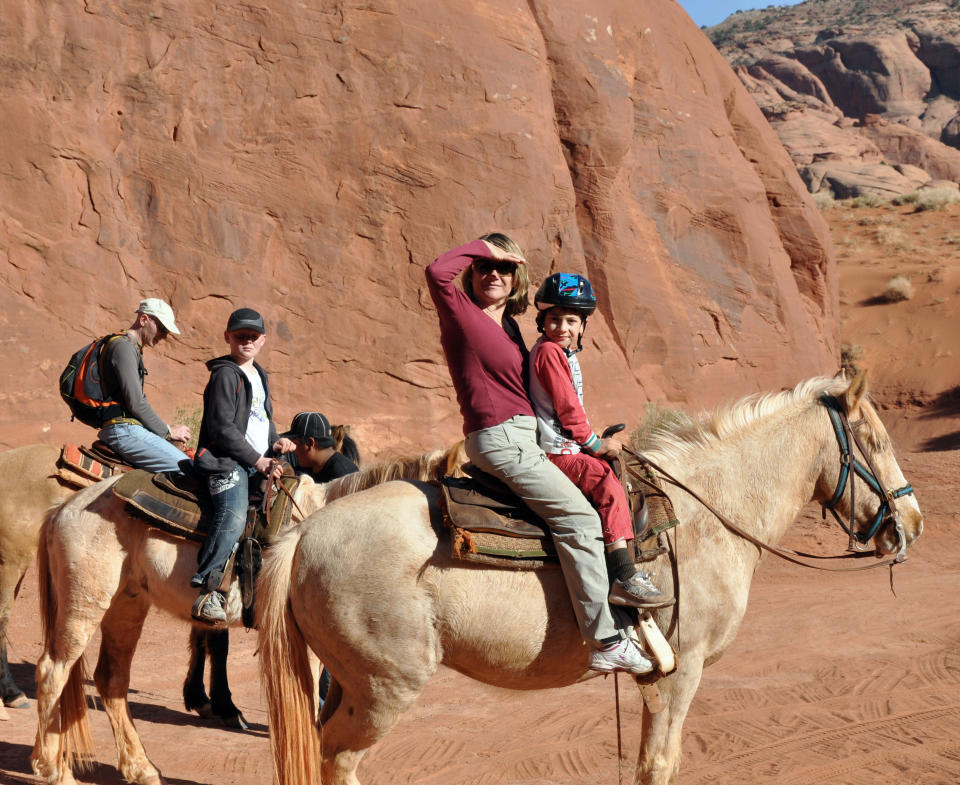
[624,656]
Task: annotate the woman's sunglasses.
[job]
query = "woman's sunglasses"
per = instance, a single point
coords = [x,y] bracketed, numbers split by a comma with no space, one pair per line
[487,266]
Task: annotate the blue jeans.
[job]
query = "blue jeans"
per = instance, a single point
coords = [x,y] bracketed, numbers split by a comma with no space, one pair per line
[229,497]
[141,448]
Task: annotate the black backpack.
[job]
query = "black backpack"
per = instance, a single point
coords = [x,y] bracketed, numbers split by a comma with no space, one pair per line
[81,386]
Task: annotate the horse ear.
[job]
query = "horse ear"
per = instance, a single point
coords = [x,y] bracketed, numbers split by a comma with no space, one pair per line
[855,393]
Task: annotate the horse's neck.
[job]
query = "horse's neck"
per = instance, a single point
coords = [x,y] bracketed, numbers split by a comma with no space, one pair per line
[760,478]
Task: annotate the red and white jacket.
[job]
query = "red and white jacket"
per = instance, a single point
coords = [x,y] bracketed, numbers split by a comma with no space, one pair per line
[556,390]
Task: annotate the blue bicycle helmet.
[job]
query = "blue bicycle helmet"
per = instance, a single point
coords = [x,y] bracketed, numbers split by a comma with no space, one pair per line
[570,291]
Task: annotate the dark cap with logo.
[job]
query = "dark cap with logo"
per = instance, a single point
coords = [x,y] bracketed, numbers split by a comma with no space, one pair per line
[245,319]
[311,424]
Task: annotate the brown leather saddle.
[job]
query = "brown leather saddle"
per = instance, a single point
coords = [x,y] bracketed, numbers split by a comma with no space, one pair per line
[490,524]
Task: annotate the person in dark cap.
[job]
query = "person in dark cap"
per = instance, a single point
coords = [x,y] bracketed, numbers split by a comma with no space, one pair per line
[315,452]
[237,436]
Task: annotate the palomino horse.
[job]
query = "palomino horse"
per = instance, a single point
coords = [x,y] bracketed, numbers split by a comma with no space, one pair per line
[367,586]
[98,566]
[28,489]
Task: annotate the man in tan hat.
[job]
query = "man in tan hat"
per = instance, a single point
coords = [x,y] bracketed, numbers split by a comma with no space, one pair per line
[136,432]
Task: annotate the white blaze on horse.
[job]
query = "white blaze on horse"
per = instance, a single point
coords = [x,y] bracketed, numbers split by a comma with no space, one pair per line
[98,566]
[367,585]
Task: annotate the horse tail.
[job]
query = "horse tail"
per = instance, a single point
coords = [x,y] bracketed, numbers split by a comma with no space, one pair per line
[76,746]
[285,670]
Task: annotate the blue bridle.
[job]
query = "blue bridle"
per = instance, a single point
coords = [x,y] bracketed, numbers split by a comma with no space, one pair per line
[845,436]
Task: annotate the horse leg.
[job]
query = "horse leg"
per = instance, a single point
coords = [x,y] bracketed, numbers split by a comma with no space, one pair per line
[659,760]
[194,694]
[120,631]
[218,645]
[359,720]
[10,693]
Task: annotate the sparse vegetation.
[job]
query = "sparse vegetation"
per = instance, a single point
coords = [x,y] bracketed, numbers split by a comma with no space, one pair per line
[824,200]
[866,200]
[932,199]
[935,276]
[893,237]
[897,289]
[191,417]
[656,417]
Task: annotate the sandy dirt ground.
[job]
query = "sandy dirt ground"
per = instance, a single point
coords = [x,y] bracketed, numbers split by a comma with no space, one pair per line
[831,679]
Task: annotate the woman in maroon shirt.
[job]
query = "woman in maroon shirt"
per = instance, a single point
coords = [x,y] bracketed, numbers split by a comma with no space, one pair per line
[487,359]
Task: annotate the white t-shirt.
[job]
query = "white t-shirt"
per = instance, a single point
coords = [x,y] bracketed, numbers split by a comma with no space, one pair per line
[258,426]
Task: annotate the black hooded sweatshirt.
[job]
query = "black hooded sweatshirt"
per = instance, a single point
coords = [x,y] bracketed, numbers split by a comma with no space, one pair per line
[222,442]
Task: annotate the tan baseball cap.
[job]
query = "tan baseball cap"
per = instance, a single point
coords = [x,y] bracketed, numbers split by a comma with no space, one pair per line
[162,312]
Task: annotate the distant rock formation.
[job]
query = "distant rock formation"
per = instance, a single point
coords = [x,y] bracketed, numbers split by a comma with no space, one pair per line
[309,159]
[865,96]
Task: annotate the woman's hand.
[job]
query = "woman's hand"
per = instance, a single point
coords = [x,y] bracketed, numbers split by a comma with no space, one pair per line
[499,254]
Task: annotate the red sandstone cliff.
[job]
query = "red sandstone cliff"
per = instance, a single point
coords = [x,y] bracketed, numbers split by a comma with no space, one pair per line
[310,158]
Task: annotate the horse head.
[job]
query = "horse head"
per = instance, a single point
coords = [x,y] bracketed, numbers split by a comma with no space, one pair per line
[862,480]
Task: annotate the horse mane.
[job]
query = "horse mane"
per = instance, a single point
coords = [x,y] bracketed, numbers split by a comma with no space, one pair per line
[678,440]
[430,467]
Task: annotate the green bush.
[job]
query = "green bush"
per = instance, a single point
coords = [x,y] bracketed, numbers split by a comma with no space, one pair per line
[866,200]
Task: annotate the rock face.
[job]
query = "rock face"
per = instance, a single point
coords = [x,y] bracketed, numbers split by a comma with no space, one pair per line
[856,90]
[309,159]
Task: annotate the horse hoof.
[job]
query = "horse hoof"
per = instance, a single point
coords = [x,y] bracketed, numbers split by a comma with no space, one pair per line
[20,701]
[237,722]
[205,711]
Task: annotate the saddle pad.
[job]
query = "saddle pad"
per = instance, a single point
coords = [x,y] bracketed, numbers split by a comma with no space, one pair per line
[78,468]
[164,509]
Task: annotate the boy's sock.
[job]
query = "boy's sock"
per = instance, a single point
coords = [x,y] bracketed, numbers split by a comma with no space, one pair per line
[619,564]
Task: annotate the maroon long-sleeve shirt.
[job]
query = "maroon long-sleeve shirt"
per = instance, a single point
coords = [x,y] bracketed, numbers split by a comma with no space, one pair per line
[488,363]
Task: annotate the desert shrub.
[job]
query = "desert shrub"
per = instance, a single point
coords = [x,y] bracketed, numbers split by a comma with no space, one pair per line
[656,417]
[909,198]
[850,354]
[897,289]
[866,200]
[191,417]
[936,199]
[824,200]
[935,275]
[892,237]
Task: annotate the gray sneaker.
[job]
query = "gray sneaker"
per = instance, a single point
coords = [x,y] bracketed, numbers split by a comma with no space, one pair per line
[209,608]
[638,591]
[625,657]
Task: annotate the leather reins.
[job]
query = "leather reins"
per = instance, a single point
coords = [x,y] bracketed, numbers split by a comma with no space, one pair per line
[888,505]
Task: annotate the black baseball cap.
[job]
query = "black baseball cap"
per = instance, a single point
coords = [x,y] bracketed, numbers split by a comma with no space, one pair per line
[245,319]
[311,424]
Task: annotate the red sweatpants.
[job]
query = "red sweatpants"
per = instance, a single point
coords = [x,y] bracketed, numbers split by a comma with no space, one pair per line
[594,477]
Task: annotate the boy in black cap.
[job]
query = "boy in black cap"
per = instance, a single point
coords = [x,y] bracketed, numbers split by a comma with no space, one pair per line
[236,435]
[316,455]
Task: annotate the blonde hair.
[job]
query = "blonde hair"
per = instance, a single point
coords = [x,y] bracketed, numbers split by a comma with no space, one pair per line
[518,300]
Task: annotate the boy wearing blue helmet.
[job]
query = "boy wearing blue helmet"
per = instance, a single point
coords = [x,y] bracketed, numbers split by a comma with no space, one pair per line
[564,301]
